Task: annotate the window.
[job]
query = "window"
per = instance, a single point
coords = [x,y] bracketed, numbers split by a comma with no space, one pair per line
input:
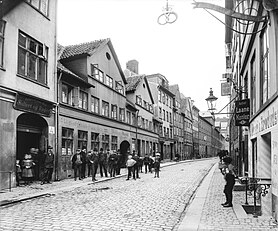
[128,117]
[122,114]
[67,141]
[164,116]
[114,112]
[119,87]
[167,99]
[265,85]
[133,119]
[96,73]
[32,58]
[151,108]
[143,123]
[105,108]
[41,5]
[109,81]
[83,100]
[82,139]
[95,105]
[167,116]
[170,117]
[67,94]
[160,112]
[114,143]
[94,140]
[163,97]
[147,124]
[253,85]
[2,30]
[159,95]
[139,121]
[139,100]
[105,142]
[145,104]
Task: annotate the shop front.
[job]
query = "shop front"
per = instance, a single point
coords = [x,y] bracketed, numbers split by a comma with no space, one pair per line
[263,155]
[27,128]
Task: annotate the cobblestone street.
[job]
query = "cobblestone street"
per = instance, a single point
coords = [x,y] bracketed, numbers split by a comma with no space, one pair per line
[145,204]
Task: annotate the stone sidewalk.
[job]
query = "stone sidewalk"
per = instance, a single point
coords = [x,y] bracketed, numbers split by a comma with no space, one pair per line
[206,212]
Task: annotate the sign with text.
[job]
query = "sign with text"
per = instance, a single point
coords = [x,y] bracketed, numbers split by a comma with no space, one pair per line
[225,89]
[242,112]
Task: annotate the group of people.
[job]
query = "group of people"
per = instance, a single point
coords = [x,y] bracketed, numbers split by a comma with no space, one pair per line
[135,164]
[29,167]
[227,169]
[107,161]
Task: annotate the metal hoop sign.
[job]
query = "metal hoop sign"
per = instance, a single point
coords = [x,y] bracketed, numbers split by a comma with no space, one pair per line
[167,17]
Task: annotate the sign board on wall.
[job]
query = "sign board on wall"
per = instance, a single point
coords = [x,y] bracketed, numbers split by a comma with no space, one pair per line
[274,160]
[225,89]
[242,112]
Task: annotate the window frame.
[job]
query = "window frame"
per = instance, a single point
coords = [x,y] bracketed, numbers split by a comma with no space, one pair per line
[109,81]
[94,104]
[28,57]
[2,42]
[105,108]
[67,140]
[82,139]
[70,94]
[83,99]
[95,140]
[97,73]
[114,111]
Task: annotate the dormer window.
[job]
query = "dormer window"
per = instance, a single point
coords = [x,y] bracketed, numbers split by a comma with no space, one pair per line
[119,87]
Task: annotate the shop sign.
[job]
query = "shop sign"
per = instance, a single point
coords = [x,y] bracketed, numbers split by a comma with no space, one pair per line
[274,164]
[242,112]
[225,89]
[33,105]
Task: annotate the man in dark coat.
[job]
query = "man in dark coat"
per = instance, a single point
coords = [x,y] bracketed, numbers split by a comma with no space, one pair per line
[83,154]
[48,165]
[136,166]
[112,163]
[102,162]
[94,160]
[119,162]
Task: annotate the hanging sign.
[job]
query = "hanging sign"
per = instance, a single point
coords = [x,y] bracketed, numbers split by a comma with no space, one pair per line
[242,112]
[225,89]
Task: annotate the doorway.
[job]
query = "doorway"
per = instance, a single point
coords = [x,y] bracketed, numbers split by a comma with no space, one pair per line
[32,132]
[124,148]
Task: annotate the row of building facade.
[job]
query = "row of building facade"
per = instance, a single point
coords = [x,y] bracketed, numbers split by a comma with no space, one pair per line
[75,96]
[252,71]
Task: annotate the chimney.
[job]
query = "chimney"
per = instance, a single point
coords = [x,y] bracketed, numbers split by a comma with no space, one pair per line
[132,65]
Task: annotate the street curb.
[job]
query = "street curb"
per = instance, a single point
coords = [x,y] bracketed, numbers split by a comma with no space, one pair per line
[52,192]
[193,215]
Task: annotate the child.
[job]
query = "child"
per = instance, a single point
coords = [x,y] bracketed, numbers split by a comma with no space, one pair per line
[156,166]
[129,164]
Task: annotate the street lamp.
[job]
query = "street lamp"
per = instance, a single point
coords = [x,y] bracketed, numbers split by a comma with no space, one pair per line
[211,101]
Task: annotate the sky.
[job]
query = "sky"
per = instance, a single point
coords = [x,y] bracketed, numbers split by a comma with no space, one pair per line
[189,52]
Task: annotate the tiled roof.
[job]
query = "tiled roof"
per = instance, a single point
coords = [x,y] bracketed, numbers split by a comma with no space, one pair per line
[132,82]
[83,48]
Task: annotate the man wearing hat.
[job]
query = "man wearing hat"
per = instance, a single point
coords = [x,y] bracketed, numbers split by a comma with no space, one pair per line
[48,166]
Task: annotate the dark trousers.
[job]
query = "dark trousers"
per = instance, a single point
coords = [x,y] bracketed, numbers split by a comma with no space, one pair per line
[47,175]
[112,170]
[130,171]
[118,169]
[77,171]
[136,170]
[83,170]
[89,165]
[94,170]
[228,190]
[148,168]
[102,165]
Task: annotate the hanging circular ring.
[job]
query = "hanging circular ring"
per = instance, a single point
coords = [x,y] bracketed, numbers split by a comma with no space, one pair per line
[167,17]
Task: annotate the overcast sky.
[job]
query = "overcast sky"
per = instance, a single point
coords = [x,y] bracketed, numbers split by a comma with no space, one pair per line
[189,52]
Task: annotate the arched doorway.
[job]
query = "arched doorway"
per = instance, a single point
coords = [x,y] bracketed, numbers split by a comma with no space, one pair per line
[32,132]
[124,148]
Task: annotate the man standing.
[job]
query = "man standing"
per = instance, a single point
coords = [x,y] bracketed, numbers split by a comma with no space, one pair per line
[119,162]
[84,162]
[102,162]
[136,165]
[93,159]
[48,166]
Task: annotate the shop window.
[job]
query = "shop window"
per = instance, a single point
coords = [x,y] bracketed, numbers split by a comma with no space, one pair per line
[95,104]
[105,142]
[82,139]
[2,30]
[67,141]
[41,5]
[105,108]
[95,141]
[32,59]
[114,143]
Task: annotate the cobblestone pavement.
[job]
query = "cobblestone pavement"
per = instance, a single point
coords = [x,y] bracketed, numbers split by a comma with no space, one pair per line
[144,204]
